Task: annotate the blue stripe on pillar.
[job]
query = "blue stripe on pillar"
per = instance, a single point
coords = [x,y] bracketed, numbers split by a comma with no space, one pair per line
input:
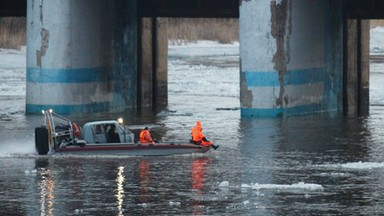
[67,109]
[64,75]
[292,77]
[279,112]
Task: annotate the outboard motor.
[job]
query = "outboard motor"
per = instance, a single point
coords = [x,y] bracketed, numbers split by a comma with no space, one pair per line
[41,140]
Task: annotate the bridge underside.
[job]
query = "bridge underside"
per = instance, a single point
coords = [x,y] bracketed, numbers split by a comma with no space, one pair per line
[364,9]
[189,8]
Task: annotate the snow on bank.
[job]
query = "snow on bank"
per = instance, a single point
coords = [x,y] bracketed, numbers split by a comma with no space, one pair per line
[12,72]
[377,40]
[204,48]
[12,58]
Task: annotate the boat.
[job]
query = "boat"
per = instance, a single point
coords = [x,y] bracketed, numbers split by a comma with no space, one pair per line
[59,135]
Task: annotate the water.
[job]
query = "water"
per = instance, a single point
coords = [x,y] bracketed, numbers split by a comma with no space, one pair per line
[309,165]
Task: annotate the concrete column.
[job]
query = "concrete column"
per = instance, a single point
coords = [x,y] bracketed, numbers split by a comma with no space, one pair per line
[356,75]
[364,67]
[161,84]
[145,70]
[291,57]
[81,55]
[153,72]
[125,70]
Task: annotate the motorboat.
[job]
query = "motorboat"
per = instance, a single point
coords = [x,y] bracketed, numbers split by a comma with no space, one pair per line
[59,135]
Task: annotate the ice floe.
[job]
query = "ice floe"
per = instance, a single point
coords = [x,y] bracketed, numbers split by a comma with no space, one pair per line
[224,184]
[363,165]
[171,203]
[30,172]
[295,186]
[355,165]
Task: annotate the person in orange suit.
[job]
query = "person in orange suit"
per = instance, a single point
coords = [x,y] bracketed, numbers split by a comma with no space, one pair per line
[145,136]
[199,138]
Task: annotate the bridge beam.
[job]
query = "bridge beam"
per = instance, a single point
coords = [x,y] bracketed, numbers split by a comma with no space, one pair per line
[291,57]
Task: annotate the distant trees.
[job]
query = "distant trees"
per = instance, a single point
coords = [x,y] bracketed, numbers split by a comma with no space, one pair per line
[180,30]
[12,32]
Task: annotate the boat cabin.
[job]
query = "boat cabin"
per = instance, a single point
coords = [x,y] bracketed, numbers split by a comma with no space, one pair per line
[106,132]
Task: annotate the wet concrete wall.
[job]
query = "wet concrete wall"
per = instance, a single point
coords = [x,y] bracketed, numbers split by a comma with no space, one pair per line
[291,57]
[153,67]
[81,55]
[356,71]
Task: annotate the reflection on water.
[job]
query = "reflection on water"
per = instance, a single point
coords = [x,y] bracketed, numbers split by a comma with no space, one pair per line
[47,186]
[120,190]
[120,185]
[143,180]
[198,171]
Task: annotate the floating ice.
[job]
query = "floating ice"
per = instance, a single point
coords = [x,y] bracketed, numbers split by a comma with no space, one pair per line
[171,203]
[78,211]
[296,186]
[30,172]
[246,186]
[144,205]
[356,165]
[224,184]
[363,165]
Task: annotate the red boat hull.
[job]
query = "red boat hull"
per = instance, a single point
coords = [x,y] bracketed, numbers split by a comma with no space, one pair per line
[157,149]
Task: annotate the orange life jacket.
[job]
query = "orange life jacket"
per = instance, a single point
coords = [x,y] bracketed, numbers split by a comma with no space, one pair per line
[197,135]
[145,137]
[76,130]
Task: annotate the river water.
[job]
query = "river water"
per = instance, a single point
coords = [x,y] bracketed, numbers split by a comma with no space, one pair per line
[308,165]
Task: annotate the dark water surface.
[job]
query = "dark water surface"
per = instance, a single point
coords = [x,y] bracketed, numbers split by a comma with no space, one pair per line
[309,165]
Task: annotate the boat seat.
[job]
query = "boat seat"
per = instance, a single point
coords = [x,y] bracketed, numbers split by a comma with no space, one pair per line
[100,138]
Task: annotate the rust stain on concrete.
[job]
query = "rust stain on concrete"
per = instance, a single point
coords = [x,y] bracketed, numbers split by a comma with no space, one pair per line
[246,96]
[44,33]
[279,22]
[44,46]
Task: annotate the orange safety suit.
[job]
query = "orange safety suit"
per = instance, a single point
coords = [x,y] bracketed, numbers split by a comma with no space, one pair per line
[198,136]
[145,137]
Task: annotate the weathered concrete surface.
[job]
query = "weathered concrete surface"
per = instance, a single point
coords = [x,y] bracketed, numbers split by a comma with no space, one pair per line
[81,55]
[153,72]
[364,83]
[286,65]
[356,72]
[125,54]
[279,31]
[161,85]
[145,75]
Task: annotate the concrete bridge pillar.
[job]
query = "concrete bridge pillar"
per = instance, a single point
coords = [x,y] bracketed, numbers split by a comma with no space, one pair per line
[291,57]
[356,74]
[153,64]
[81,55]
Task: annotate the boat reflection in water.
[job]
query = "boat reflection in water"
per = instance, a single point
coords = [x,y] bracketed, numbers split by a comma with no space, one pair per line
[122,184]
[46,186]
[198,177]
[120,190]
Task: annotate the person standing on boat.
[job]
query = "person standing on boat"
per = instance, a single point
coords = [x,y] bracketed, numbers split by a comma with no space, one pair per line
[113,137]
[145,136]
[199,138]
